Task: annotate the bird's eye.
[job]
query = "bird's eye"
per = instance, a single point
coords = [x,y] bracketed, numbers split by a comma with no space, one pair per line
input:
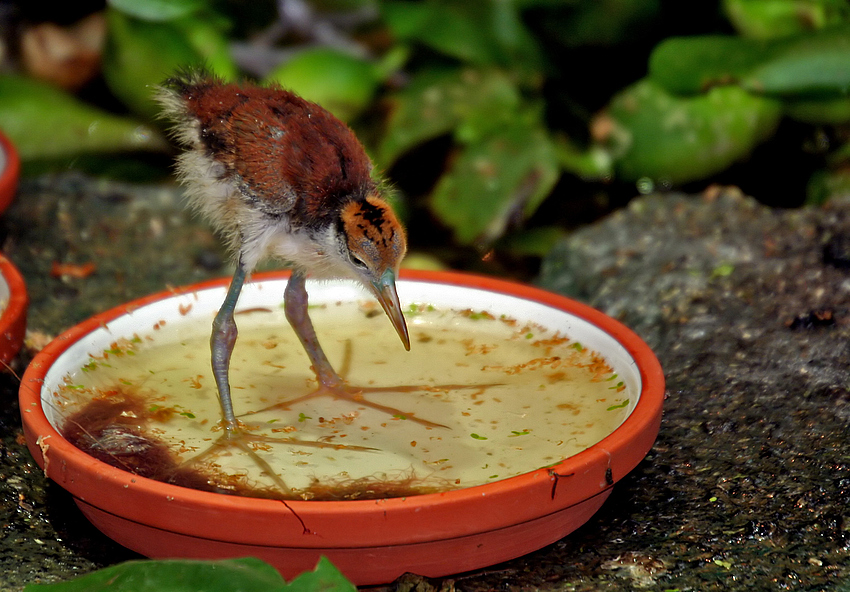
[358,262]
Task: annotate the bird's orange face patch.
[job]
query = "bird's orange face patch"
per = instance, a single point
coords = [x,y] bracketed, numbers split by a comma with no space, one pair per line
[374,233]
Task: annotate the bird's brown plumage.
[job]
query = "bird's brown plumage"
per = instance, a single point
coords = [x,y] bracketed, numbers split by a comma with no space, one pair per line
[286,153]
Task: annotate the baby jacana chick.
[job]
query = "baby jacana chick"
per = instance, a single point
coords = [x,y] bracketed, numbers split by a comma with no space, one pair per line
[280,176]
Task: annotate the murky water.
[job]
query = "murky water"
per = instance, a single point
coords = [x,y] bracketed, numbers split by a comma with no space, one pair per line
[483,398]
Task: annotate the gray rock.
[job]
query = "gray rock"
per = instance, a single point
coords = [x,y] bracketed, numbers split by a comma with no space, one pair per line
[748,310]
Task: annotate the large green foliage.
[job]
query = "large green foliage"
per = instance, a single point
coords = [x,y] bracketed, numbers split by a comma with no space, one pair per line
[43,121]
[815,65]
[147,42]
[676,139]
[506,85]
[802,73]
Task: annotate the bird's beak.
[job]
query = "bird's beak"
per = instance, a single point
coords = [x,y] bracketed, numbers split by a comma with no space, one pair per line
[385,291]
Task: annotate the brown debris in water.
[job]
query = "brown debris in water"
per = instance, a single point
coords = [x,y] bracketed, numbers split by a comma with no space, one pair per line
[114,429]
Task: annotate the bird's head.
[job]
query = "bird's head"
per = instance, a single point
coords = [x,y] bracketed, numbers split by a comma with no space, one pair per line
[373,241]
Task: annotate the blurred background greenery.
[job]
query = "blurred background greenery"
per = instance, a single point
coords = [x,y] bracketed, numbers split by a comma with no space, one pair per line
[501,124]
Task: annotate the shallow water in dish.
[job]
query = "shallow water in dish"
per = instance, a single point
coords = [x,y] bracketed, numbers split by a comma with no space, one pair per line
[512,397]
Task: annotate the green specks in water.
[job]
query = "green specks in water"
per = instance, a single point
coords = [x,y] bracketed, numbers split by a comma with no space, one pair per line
[302,417]
[577,346]
[619,386]
[478,316]
[477,437]
[417,309]
[400,416]
[622,405]
[188,414]
[515,433]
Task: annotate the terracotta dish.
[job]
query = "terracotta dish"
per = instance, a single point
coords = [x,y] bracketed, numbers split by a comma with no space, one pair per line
[13,303]
[371,541]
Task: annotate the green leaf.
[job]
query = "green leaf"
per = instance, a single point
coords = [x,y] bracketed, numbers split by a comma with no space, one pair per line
[341,83]
[518,47]
[676,140]
[499,179]
[45,122]
[479,33]
[175,575]
[325,578]
[445,26]
[810,66]
[774,19]
[815,65]
[592,163]
[692,65]
[140,54]
[437,101]
[185,575]
[157,10]
[206,33]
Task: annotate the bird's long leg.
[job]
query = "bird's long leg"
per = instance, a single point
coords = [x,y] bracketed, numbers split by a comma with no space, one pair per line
[295,307]
[221,343]
[330,383]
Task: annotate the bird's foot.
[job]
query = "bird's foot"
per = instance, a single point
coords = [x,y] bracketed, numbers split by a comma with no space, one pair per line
[340,390]
[240,436]
[332,384]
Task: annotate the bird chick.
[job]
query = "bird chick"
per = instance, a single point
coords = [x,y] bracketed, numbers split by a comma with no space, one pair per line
[280,176]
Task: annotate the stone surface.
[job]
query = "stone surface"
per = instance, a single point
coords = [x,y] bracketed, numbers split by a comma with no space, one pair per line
[748,309]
